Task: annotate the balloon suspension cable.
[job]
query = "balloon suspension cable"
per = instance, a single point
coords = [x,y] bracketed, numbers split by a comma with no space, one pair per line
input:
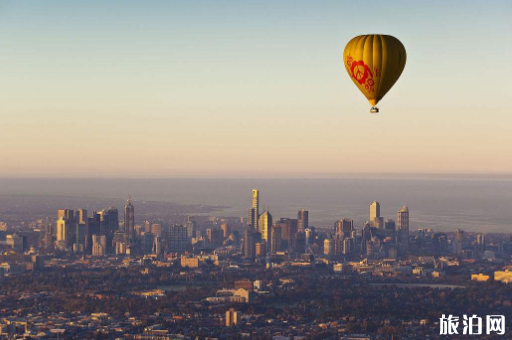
[374,109]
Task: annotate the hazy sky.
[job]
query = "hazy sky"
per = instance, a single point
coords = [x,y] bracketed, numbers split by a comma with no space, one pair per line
[193,88]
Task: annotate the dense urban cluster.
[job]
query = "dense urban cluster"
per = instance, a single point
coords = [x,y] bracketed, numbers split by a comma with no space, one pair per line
[110,275]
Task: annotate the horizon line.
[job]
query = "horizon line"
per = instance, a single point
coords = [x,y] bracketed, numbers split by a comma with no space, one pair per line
[268,175]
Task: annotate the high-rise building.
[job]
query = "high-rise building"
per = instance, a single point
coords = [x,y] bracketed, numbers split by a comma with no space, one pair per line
[374,210]
[129,218]
[148,240]
[81,216]
[178,239]
[113,220]
[250,239]
[459,241]
[191,226]
[328,247]
[275,244]
[66,229]
[254,211]
[265,225]
[480,243]
[344,227]
[310,236]
[403,227]
[156,229]
[67,214]
[389,227]
[121,242]
[62,230]
[147,227]
[376,220]
[80,233]
[226,230]
[260,249]
[99,245]
[289,230]
[300,243]
[348,246]
[157,245]
[232,318]
[104,224]
[303,219]
[16,242]
[215,237]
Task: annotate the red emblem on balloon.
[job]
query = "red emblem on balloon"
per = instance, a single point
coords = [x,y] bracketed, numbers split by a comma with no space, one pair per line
[362,73]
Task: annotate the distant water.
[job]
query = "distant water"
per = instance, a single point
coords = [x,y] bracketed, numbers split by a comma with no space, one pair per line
[472,204]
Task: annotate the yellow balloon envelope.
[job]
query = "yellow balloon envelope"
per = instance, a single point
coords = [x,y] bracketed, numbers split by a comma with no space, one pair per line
[374,62]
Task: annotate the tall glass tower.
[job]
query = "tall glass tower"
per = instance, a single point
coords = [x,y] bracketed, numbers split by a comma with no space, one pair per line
[129,218]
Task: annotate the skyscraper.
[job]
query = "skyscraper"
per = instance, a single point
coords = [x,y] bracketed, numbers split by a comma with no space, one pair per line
[328,247]
[67,214]
[178,239]
[109,223]
[254,211]
[289,232]
[99,245]
[81,216]
[303,219]
[374,211]
[403,227]
[480,243]
[264,225]
[129,219]
[156,229]
[66,229]
[226,230]
[191,227]
[458,243]
[62,232]
[250,239]
[376,220]
[389,226]
[275,244]
[215,237]
[344,227]
[113,220]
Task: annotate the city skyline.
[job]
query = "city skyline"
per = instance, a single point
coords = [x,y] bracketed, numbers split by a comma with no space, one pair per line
[198,170]
[192,89]
[84,269]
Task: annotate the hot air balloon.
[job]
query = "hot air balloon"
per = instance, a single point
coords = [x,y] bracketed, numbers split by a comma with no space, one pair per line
[374,62]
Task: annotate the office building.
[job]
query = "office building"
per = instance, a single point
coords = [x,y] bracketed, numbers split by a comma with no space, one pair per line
[232,317]
[275,244]
[289,228]
[374,211]
[129,219]
[344,227]
[254,210]
[226,230]
[178,240]
[403,227]
[302,220]
[215,237]
[265,225]
[190,224]
[99,245]
[328,247]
